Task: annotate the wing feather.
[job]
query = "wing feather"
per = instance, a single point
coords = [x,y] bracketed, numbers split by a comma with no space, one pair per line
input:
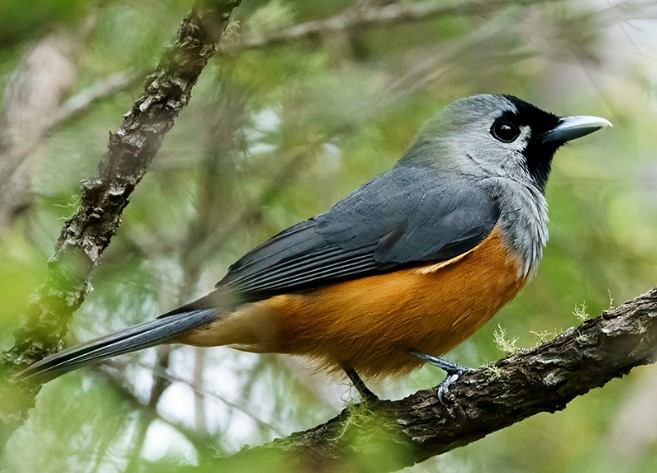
[404,217]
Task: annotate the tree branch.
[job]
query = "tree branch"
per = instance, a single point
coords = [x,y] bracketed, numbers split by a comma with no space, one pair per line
[16,191]
[34,92]
[85,236]
[391,435]
[363,18]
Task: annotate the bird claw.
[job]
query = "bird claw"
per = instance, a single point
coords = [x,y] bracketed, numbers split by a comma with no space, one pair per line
[453,370]
[443,387]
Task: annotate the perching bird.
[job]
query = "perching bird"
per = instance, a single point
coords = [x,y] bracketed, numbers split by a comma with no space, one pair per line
[400,271]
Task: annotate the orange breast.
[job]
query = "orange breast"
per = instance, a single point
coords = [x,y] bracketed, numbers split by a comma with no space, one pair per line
[369,324]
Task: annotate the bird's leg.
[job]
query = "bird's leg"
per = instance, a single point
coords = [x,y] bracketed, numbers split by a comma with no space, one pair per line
[365,393]
[453,371]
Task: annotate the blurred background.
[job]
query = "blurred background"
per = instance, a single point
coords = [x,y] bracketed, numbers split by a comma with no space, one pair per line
[281,126]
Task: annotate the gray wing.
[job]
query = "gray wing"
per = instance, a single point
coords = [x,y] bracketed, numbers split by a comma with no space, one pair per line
[402,218]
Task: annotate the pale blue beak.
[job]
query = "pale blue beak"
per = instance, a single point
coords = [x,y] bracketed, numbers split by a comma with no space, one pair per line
[570,128]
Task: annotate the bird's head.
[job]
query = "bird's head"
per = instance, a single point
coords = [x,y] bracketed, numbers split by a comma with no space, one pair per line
[498,136]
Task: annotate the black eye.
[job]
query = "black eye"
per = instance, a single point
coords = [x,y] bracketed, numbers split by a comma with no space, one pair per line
[505,131]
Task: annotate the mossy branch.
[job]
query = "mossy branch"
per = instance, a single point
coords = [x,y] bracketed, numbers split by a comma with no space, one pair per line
[391,435]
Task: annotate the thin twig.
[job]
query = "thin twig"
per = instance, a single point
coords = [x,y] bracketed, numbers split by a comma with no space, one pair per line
[362,18]
[117,382]
[205,393]
[72,108]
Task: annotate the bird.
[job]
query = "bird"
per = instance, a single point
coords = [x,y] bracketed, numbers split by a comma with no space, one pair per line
[395,274]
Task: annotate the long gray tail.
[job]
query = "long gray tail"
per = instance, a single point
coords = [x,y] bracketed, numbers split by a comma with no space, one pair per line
[135,338]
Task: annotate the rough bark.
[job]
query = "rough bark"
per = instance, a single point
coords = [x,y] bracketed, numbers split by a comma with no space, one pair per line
[86,234]
[391,435]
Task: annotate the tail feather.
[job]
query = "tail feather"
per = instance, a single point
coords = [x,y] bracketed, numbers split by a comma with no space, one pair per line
[131,339]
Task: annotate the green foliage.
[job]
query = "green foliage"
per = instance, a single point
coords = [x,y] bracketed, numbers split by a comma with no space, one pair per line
[20,21]
[277,134]
[90,427]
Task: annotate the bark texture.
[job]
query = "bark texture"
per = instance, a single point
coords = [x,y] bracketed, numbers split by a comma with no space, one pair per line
[391,435]
[86,234]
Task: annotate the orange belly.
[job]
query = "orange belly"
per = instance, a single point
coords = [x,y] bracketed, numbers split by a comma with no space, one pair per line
[369,324]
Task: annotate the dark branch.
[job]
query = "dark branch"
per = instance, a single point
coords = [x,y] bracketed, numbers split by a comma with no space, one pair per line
[131,149]
[395,434]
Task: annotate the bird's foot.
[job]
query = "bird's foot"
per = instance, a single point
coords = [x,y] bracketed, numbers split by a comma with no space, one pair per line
[453,370]
[365,394]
